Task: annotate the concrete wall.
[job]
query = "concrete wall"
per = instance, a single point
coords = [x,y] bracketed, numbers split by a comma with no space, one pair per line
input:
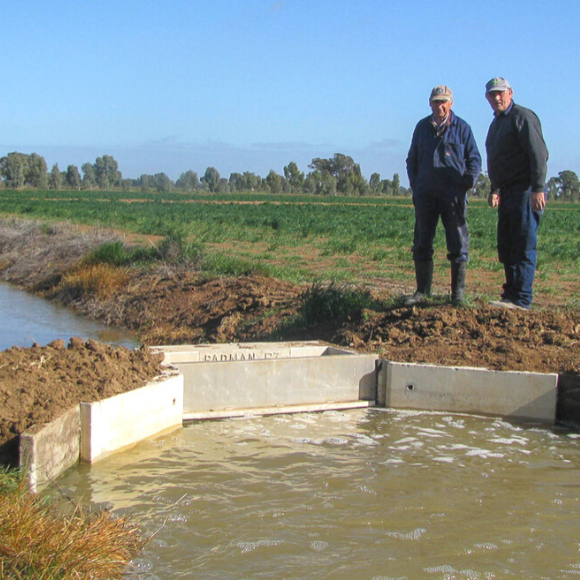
[219,380]
[115,423]
[468,390]
[276,383]
[284,375]
[49,449]
[94,430]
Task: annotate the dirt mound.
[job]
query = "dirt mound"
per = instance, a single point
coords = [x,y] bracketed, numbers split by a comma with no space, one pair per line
[544,341]
[40,383]
[181,307]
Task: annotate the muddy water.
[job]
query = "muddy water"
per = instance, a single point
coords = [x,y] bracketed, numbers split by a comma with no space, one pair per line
[26,319]
[357,495]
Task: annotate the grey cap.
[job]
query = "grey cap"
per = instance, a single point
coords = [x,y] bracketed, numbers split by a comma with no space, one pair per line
[441,93]
[497,84]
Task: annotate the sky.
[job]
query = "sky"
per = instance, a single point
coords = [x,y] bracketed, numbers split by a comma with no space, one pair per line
[251,85]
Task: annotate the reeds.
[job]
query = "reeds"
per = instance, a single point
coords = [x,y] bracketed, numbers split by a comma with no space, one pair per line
[36,542]
[99,281]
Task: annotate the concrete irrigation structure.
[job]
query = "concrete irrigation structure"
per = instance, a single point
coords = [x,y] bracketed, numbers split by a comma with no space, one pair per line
[230,380]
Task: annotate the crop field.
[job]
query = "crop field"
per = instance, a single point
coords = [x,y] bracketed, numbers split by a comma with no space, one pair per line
[306,239]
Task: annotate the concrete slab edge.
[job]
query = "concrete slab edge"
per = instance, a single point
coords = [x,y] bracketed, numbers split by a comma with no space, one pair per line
[286,409]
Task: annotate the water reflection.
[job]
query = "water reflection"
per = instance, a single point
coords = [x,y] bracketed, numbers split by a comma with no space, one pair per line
[26,319]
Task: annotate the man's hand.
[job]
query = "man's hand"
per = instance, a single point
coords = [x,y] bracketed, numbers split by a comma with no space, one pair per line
[493,199]
[538,200]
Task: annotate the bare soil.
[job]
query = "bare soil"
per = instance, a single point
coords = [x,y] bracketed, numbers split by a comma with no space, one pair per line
[38,384]
[170,305]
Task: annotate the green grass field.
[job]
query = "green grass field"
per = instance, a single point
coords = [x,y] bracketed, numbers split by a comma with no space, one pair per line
[303,238]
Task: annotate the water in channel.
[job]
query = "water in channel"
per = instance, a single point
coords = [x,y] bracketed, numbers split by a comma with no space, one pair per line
[26,319]
[353,495]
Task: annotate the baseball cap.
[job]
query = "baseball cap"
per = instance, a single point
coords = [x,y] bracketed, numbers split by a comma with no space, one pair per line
[441,93]
[497,84]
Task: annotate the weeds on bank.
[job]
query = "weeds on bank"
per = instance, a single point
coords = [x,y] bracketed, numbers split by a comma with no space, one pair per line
[330,305]
[224,265]
[36,542]
[99,281]
[105,269]
[177,248]
[336,302]
[96,275]
[116,253]
[10,480]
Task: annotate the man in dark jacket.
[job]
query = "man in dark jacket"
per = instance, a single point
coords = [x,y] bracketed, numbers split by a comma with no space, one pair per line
[443,164]
[517,164]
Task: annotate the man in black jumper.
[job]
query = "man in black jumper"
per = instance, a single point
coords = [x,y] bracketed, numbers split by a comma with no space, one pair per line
[517,163]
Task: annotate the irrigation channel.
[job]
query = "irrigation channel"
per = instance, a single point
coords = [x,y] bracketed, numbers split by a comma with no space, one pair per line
[351,495]
[354,495]
[26,319]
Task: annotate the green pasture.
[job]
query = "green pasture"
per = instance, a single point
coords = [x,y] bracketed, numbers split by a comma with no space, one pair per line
[300,238]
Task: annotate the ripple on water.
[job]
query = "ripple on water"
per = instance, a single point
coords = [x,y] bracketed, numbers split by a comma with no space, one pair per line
[404,495]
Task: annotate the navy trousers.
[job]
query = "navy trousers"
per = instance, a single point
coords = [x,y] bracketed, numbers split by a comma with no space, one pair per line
[517,241]
[452,209]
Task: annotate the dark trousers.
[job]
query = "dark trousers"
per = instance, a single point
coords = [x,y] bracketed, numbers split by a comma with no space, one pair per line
[517,240]
[452,208]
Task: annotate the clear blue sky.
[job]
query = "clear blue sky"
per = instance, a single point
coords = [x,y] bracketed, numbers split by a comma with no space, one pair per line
[250,85]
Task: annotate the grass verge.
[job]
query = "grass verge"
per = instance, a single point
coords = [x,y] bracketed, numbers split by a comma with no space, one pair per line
[36,542]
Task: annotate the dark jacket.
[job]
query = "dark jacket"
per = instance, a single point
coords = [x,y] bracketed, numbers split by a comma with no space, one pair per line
[516,152]
[449,163]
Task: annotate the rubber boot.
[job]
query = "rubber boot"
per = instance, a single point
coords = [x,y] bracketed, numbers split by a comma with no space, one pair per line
[424,277]
[458,271]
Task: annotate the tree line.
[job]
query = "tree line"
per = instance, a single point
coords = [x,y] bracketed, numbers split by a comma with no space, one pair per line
[338,175]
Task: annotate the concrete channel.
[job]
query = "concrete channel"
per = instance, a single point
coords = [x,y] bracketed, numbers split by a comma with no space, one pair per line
[232,380]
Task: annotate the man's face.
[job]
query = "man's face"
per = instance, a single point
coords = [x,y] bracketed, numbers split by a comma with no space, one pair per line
[440,109]
[500,100]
